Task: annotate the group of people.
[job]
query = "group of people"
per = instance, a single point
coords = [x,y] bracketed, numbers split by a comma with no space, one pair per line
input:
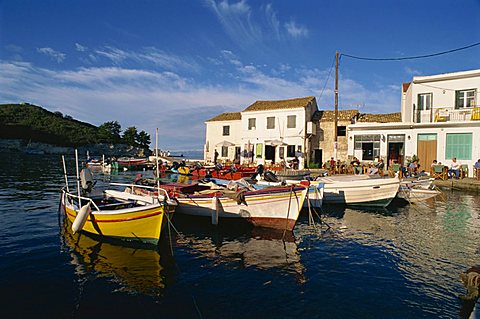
[355,166]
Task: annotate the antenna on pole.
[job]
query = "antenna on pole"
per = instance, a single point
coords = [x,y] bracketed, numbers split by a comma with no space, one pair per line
[336,108]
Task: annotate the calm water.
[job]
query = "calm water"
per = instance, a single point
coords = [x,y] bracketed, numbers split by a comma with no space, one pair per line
[396,263]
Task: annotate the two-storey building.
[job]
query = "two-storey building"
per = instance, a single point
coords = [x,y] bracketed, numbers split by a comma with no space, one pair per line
[264,133]
[440,120]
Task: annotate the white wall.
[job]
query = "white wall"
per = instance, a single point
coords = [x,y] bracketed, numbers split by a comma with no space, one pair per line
[262,135]
[443,89]
[213,136]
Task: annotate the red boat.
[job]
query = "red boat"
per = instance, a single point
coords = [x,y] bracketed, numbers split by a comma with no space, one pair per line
[226,172]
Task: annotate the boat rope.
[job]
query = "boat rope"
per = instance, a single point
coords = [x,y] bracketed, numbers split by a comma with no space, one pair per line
[288,212]
[196,307]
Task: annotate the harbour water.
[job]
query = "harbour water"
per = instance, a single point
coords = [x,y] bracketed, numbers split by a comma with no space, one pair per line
[400,262]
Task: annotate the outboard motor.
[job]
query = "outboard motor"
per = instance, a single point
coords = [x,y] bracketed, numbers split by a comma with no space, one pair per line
[86,180]
[259,171]
[270,177]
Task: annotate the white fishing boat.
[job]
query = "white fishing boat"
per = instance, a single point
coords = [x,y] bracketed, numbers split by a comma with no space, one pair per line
[271,207]
[351,190]
[417,190]
[314,195]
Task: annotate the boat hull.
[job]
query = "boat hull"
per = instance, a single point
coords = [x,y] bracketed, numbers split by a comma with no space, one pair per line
[277,208]
[134,224]
[363,192]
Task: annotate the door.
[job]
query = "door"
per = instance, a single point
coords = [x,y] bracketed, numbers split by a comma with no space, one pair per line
[270,153]
[395,153]
[237,155]
[317,154]
[426,150]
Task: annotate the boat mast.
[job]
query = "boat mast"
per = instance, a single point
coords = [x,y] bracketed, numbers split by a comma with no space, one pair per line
[65,173]
[156,159]
[335,132]
[78,180]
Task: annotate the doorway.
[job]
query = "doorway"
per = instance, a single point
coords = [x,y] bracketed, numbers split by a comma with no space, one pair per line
[270,153]
[426,149]
[318,156]
[395,153]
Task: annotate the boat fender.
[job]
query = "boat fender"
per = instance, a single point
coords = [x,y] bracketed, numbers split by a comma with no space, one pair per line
[81,218]
[216,206]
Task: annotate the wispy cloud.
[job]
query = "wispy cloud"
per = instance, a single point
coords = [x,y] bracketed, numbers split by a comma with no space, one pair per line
[295,30]
[55,55]
[247,26]
[80,47]
[146,56]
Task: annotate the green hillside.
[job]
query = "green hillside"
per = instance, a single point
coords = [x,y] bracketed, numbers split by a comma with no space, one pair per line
[31,122]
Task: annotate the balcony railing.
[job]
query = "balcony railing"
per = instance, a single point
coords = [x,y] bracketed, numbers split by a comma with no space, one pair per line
[447,114]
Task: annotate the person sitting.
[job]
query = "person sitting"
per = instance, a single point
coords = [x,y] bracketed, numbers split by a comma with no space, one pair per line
[454,168]
[294,162]
[282,164]
[413,168]
[476,169]
[381,167]
[372,169]
[355,163]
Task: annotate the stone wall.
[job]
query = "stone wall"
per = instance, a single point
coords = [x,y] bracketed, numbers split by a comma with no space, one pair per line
[326,133]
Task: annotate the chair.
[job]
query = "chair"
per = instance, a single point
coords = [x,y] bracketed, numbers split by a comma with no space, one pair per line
[395,168]
[476,173]
[464,171]
[439,172]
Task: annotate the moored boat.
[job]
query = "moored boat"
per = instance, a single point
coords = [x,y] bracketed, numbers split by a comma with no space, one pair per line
[117,214]
[377,192]
[132,163]
[272,207]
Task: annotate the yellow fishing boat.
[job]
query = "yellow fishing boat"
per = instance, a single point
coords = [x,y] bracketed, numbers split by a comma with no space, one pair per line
[117,214]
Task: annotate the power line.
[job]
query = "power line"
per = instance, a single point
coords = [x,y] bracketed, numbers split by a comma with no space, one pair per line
[411,57]
[326,80]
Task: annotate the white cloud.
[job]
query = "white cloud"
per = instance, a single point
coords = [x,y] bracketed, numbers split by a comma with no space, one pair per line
[55,55]
[295,30]
[80,47]
[169,100]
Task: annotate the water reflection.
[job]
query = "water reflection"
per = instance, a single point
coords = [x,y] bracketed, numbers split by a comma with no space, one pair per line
[241,246]
[135,269]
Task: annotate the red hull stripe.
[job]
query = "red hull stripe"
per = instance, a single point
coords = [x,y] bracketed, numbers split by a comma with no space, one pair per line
[119,219]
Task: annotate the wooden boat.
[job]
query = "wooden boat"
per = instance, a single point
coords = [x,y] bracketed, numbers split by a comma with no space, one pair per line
[117,214]
[349,190]
[226,172]
[132,163]
[272,207]
[314,195]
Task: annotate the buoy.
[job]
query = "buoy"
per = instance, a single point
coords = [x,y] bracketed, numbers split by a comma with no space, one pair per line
[81,218]
[215,210]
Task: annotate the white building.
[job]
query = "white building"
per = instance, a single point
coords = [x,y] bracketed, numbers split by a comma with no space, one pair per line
[440,120]
[264,132]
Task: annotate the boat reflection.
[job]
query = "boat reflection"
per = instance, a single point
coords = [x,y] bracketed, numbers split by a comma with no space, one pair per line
[134,268]
[263,249]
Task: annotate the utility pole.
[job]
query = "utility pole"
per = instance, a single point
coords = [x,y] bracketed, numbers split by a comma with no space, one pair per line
[336,108]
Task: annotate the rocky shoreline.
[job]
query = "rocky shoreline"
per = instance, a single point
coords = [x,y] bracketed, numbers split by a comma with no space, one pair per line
[95,150]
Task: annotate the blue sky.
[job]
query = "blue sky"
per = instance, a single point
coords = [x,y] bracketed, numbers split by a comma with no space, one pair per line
[175,64]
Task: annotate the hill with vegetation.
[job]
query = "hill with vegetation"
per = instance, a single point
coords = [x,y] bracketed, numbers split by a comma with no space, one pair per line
[34,123]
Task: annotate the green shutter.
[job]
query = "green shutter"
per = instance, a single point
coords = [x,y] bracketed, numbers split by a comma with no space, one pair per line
[459,145]
[258,152]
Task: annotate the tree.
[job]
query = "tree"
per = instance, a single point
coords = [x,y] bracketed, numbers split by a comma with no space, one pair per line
[130,136]
[109,132]
[143,139]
